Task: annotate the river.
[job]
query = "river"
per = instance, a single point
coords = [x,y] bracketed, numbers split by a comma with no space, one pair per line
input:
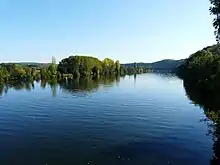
[146,119]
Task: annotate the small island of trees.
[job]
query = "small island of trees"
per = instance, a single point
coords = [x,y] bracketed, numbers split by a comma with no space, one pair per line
[71,67]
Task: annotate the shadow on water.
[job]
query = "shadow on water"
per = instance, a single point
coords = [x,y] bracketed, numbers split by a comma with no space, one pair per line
[209,101]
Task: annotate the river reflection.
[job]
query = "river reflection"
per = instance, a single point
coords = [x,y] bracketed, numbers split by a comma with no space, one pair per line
[209,101]
[142,119]
[16,86]
[80,85]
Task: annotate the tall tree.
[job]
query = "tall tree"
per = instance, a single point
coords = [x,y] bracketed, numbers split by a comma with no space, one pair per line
[4,75]
[117,67]
[215,10]
[108,66]
[53,67]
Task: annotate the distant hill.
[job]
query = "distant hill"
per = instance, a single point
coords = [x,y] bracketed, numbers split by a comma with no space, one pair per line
[34,64]
[167,64]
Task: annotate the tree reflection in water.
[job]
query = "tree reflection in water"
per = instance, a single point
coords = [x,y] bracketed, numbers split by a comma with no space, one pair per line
[209,100]
[80,86]
[16,86]
[83,86]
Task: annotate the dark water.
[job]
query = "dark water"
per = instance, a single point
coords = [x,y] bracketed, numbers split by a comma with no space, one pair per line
[142,120]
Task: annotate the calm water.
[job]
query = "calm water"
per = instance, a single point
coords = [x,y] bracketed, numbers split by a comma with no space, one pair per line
[142,120]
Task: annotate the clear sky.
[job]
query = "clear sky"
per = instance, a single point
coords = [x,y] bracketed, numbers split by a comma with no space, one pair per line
[127,30]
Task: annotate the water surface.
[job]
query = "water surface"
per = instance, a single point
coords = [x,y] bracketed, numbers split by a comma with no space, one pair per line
[135,120]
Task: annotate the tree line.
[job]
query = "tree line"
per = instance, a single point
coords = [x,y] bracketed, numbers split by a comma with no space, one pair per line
[18,72]
[86,66]
[202,69]
[72,67]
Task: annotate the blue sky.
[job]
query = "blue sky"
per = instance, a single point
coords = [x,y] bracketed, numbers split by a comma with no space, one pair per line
[127,30]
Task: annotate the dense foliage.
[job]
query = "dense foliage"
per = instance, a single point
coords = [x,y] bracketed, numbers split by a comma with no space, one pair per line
[80,65]
[71,67]
[203,68]
[86,66]
[133,70]
[20,72]
[215,10]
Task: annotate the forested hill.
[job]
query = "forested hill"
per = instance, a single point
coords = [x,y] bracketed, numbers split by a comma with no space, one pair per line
[202,66]
[167,64]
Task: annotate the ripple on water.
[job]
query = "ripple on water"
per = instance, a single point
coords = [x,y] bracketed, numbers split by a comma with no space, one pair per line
[124,124]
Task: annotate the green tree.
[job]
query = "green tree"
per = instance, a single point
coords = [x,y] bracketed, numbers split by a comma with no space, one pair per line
[29,74]
[18,72]
[117,67]
[80,66]
[4,75]
[215,10]
[108,66]
[44,73]
[53,67]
